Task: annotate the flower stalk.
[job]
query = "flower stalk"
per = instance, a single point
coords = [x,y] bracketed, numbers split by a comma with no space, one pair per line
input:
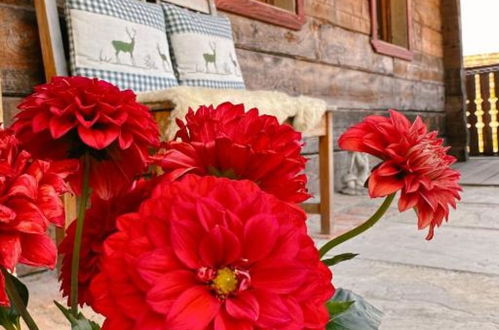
[17,301]
[82,206]
[359,229]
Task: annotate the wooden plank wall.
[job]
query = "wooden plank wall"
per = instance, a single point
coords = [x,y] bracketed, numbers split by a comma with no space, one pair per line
[20,56]
[330,57]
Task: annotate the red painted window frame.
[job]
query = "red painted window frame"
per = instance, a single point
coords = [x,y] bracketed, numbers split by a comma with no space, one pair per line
[386,48]
[265,12]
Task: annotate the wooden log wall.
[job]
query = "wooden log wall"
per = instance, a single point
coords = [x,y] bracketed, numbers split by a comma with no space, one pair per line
[330,57]
[20,57]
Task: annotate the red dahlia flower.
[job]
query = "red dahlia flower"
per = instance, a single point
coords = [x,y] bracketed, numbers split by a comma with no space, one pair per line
[71,116]
[226,141]
[100,223]
[414,162]
[212,253]
[29,202]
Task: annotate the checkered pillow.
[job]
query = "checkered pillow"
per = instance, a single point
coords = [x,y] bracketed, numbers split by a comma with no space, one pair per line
[121,41]
[202,49]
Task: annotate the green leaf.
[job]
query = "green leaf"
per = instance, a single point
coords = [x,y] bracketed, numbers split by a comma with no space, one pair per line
[9,316]
[77,323]
[339,258]
[358,315]
[337,307]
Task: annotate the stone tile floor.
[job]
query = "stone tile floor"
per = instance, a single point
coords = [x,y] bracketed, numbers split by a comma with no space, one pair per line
[451,282]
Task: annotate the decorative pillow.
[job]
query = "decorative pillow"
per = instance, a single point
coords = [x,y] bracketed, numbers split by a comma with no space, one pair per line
[202,49]
[121,41]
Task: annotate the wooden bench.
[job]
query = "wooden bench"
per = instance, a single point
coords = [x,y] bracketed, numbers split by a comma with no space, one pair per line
[56,64]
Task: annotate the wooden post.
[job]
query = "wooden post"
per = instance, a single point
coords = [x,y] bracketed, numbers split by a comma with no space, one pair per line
[326,176]
[49,31]
[456,131]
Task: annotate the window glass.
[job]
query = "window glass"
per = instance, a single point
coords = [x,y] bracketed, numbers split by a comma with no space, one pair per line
[392,22]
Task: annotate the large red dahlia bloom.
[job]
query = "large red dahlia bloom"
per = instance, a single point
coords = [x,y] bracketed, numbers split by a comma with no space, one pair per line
[29,202]
[212,253]
[71,116]
[226,141]
[100,223]
[414,162]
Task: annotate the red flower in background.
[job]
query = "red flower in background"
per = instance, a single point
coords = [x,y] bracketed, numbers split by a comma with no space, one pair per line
[226,141]
[212,253]
[71,116]
[414,162]
[29,202]
[100,223]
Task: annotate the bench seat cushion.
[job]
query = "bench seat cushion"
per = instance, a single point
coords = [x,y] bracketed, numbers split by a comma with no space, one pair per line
[306,112]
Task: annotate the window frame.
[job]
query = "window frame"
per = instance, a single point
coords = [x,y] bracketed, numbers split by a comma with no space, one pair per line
[266,12]
[384,47]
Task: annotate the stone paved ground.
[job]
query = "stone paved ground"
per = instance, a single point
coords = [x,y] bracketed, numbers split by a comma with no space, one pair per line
[450,283]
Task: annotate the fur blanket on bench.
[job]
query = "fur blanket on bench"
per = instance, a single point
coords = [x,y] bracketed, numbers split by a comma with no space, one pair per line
[306,112]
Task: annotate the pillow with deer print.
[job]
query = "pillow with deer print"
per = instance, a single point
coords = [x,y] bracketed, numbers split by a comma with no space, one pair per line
[202,48]
[121,41]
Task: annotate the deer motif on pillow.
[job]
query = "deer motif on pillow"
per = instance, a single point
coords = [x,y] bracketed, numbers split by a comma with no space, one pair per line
[203,50]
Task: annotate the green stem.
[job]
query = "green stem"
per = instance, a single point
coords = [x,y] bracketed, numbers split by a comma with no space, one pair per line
[360,229]
[9,326]
[17,301]
[82,207]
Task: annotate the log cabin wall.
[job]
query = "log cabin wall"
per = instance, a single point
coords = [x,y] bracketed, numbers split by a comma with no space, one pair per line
[20,58]
[331,57]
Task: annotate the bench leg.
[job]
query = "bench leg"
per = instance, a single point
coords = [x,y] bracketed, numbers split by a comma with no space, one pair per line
[326,178]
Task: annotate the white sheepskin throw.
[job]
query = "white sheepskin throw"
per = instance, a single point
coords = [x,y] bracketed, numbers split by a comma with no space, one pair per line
[305,111]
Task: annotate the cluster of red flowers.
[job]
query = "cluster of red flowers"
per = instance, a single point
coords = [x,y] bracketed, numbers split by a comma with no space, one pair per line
[216,241]
[182,251]
[414,162]
[29,202]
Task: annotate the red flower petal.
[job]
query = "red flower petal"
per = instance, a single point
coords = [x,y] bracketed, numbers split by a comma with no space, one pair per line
[99,138]
[219,247]
[38,250]
[380,186]
[167,289]
[260,234]
[10,250]
[4,299]
[60,125]
[195,301]
[278,276]
[243,307]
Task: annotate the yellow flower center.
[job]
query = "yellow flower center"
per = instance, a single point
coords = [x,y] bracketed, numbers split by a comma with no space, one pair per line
[225,281]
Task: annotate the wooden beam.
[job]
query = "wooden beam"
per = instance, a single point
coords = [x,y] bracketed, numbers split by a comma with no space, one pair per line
[49,29]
